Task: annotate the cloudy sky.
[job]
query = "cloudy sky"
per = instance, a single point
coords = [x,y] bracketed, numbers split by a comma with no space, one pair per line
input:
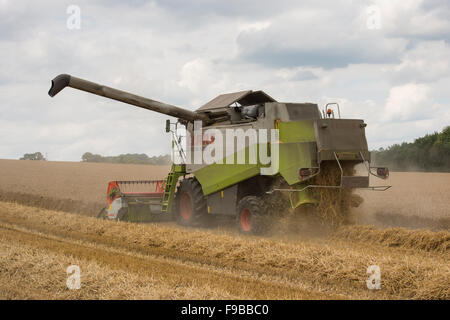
[384,61]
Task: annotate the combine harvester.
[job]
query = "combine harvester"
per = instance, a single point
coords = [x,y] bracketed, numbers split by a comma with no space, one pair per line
[309,146]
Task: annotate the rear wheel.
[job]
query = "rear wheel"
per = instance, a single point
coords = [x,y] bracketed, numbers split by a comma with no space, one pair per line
[190,204]
[250,218]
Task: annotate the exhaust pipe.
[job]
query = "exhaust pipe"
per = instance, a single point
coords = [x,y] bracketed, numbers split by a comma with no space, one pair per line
[65,80]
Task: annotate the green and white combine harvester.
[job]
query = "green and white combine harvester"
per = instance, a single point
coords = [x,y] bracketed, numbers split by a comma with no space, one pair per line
[308,143]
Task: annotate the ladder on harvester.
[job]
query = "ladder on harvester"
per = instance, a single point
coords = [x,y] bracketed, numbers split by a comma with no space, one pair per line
[171,183]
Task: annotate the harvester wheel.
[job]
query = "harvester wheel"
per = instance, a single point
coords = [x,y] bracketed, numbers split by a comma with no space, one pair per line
[122,215]
[250,219]
[190,203]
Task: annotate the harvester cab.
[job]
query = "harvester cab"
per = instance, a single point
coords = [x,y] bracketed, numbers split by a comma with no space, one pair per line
[241,154]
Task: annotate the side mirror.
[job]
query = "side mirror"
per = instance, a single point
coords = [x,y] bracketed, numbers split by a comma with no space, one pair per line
[168,125]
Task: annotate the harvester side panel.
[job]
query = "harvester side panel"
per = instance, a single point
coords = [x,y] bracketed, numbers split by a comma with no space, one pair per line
[297,149]
[223,201]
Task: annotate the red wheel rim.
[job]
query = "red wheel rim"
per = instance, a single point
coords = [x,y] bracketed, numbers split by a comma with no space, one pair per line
[246,219]
[185,206]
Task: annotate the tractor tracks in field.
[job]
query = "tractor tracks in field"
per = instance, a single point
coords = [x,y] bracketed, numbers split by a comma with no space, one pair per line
[88,208]
[242,285]
[236,266]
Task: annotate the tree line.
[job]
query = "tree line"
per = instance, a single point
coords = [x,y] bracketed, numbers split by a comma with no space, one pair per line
[33,156]
[428,153]
[133,158]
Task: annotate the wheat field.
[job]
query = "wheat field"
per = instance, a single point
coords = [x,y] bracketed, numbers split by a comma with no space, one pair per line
[41,235]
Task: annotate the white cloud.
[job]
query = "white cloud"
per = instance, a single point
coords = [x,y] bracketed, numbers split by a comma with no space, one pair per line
[409,102]
[196,74]
[254,26]
[319,36]
[428,61]
[414,18]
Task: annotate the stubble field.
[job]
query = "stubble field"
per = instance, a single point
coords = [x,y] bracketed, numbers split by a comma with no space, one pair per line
[47,224]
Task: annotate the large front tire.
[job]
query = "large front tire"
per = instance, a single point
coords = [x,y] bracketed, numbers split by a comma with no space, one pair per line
[190,204]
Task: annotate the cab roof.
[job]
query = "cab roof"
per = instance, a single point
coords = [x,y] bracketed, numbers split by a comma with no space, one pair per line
[244,98]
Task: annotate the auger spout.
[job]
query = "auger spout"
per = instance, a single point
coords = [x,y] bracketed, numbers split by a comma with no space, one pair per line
[65,80]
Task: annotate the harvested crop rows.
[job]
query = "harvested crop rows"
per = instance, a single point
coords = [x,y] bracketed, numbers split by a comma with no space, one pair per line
[214,265]
[120,260]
